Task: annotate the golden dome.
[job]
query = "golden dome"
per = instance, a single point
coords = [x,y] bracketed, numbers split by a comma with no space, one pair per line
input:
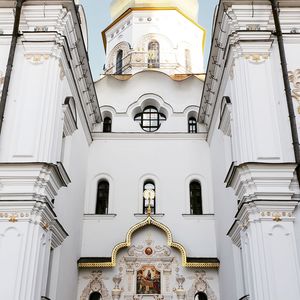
[188,7]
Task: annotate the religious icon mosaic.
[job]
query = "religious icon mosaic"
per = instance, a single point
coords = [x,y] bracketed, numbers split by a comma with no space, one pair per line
[148,280]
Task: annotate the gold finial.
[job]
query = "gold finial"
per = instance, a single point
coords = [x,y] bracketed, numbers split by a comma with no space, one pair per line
[149,195]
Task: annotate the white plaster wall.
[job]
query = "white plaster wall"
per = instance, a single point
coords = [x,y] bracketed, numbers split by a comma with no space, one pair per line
[123,99]
[225,204]
[128,161]
[69,208]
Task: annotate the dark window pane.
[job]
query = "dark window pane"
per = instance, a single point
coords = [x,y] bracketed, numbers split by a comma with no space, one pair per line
[119,62]
[95,296]
[107,125]
[102,198]
[201,296]
[195,198]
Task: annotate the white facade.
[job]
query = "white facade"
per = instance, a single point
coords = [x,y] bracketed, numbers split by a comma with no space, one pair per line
[63,135]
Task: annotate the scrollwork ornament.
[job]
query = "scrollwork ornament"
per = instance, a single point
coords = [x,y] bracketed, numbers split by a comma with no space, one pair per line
[294,78]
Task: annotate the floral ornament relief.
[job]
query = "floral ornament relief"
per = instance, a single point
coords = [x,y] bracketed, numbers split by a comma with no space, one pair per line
[95,284]
[294,78]
[201,284]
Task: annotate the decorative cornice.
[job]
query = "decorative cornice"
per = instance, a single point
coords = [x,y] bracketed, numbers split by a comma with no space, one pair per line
[146,222]
[37,213]
[31,181]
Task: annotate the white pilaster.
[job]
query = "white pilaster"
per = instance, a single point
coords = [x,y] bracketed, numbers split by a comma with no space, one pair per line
[264,230]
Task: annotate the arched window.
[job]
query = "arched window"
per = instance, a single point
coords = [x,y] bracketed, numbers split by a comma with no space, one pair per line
[150,119]
[149,185]
[200,296]
[102,197]
[107,124]
[153,54]
[195,198]
[95,296]
[119,62]
[192,125]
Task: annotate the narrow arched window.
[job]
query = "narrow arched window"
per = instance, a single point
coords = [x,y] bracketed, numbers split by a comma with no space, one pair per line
[95,296]
[102,197]
[195,198]
[188,65]
[149,185]
[192,125]
[200,296]
[119,62]
[153,54]
[107,124]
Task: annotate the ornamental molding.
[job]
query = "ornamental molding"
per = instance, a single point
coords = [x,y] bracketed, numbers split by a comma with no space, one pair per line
[112,262]
[294,78]
[96,284]
[34,212]
[201,284]
[36,59]
[261,211]
[31,181]
[261,181]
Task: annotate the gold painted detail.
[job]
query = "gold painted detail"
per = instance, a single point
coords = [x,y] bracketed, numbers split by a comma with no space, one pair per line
[37,58]
[276,216]
[13,218]
[149,221]
[294,78]
[257,58]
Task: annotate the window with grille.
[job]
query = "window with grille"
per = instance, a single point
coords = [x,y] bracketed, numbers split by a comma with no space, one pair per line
[150,119]
[192,125]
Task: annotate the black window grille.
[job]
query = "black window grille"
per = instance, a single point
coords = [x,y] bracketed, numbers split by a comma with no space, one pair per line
[150,119]
[102,198]
[192,125]
[196,198]
[107,124]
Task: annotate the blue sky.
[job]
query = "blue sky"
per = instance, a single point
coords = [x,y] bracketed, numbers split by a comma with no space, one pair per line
[98,18]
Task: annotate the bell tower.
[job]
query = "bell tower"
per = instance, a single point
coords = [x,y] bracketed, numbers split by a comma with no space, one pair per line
[161,35]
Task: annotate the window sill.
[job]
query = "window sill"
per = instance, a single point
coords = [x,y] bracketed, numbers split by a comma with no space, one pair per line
[98,217]
[145,215]
[203,216]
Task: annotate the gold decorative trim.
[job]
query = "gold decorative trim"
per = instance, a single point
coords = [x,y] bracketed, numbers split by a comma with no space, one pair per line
[149,221]
[128,11]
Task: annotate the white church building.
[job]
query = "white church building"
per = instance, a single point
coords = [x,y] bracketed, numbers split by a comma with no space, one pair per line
[161,180]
